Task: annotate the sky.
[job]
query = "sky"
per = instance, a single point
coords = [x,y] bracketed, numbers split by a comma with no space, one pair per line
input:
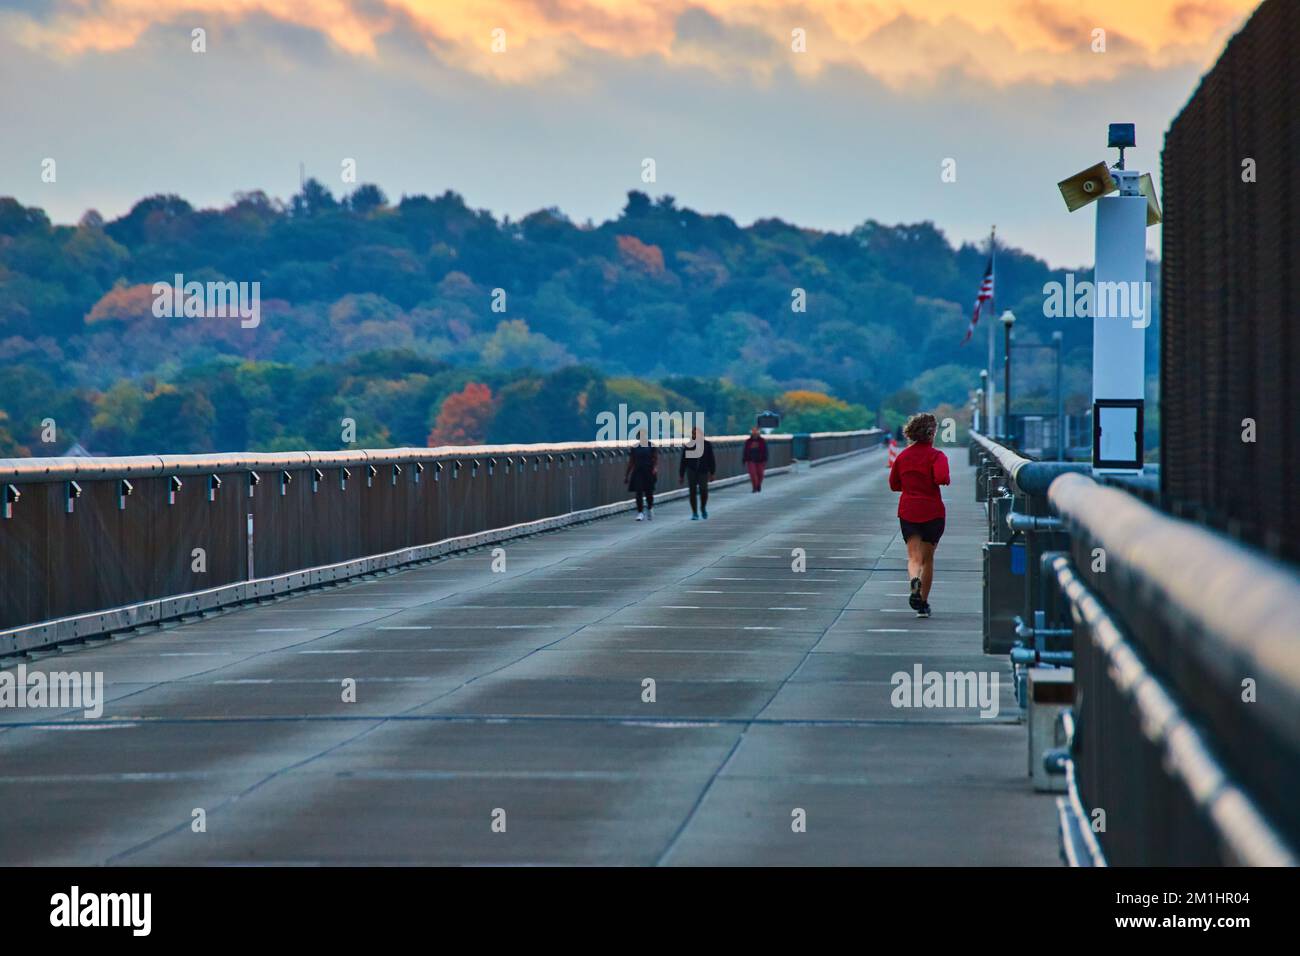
[824,113]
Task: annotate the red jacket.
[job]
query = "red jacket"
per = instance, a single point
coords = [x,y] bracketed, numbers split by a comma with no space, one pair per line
[918,472]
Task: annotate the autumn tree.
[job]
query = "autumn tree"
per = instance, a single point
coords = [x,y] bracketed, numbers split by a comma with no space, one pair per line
[648,258]
[464,417]
[123,303]
[9,446]
[804,410]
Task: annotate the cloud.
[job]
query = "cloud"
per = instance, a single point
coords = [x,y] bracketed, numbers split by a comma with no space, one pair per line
[855,128]
[896,41]
[697,28]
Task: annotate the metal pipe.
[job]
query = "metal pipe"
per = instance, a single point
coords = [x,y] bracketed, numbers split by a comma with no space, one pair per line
[1066,720]
[1031,656]
[1054,761]
[1079,844]
[1024,630]
[1029,477]
[1060,400]
[1018,521]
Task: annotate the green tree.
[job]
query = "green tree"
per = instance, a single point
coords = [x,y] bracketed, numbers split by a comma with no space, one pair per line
[366,198]
[513,345]
[172,419]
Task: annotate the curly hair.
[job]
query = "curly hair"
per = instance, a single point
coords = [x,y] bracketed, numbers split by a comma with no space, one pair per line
[921,427]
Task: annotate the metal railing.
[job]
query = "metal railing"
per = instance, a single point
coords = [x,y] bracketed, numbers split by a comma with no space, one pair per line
[91,545]
[1019,610]
[1187,676]
[1185,727]
[1029,477]
[824,446]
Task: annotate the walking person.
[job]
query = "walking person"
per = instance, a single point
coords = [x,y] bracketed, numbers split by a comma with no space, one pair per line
[641,476]
[755,458]
[699,467]
[918,472]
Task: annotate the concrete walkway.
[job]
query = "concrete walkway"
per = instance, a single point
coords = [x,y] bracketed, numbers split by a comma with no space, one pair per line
[481,691]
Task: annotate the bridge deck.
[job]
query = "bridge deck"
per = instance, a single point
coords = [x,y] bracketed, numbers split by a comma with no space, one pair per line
[522,690]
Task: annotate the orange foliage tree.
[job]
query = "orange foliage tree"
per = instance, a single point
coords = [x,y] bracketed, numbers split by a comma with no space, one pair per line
[464,417]
[647,257]
[123,303]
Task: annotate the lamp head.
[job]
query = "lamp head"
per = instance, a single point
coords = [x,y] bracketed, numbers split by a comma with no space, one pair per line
[1008,319]
[1121,136]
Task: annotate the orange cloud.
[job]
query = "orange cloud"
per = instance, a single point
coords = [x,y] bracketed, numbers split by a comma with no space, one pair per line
[900,42]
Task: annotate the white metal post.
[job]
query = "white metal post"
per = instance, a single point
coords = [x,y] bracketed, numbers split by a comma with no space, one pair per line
[1121,312]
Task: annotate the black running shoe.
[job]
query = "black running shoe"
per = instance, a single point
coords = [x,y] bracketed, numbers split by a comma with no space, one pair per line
[914,600]
[923,610]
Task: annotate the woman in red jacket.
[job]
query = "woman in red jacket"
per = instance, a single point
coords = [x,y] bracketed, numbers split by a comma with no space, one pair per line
[918,472]
[755,458]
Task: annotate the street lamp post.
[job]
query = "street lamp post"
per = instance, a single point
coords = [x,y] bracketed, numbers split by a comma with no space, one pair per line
[1057,339]
[1008,320]
[1056,347]
[989,420]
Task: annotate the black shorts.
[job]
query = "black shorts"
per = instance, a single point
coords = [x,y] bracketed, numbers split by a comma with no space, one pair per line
[930,531]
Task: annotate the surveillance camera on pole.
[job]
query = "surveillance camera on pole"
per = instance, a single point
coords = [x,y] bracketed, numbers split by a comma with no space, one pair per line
[1121,301]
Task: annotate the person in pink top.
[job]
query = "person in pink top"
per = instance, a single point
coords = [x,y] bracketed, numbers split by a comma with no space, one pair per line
[918,472]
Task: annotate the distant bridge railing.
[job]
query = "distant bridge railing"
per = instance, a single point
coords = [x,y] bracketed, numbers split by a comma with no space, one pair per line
[94,545]
[824,446]
[1184,731]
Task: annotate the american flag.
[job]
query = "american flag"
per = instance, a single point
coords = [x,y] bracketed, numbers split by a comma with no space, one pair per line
[985,293]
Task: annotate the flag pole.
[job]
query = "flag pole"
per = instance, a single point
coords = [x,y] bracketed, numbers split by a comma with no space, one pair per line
[990,388]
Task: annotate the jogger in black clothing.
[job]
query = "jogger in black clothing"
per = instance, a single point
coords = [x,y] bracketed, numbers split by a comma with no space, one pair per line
[699,464]
[641,475]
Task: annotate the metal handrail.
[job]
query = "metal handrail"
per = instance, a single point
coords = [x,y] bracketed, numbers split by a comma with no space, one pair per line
[28,470]
[1180,615]
[851,434]
[1228,608]
[1029,477]
[1244,832]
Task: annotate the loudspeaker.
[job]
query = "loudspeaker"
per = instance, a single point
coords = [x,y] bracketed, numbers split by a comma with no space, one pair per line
[1148,189]
[1087,186]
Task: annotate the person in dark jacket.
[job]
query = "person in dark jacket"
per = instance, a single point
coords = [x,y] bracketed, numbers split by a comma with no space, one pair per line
[755,458]
[917,473]
[699,465]
[641,476]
